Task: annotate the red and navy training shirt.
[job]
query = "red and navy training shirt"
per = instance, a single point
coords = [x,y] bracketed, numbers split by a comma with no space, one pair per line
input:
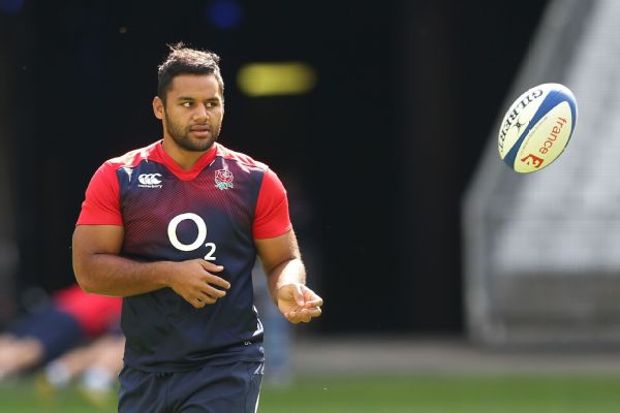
[213,211]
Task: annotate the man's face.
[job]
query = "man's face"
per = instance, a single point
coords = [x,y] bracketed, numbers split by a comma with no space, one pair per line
[193,112]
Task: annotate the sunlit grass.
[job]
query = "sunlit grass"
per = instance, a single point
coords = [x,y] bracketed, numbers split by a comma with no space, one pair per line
[427,394]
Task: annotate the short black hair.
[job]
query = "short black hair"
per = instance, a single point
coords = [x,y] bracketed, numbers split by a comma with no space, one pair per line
[184,60]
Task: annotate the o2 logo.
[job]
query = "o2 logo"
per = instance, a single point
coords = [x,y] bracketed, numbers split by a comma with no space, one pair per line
[201,237]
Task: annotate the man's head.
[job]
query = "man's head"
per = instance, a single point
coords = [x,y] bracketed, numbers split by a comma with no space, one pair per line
[183,60]
[189,99]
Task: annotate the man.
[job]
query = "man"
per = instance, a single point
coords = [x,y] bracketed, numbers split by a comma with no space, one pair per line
[175,228]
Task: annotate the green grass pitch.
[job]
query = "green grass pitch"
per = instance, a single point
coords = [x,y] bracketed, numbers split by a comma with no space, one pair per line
[425,394]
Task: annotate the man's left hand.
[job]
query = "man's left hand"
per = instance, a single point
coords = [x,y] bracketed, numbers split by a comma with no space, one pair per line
[298,303]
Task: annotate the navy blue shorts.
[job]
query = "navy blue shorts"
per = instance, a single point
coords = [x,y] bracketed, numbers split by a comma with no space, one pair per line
[221,388]
[56,330]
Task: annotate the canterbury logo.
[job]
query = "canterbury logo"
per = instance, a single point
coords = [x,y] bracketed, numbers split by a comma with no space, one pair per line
[149,180]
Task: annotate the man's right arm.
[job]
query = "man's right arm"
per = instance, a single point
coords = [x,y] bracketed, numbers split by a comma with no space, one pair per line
[99,269]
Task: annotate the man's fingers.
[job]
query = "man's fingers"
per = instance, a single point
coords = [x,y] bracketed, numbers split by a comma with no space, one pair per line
[315,312]
[303,315]
[201,302]
[217,281]
[197,302]
[310,313]
[315,302]
[311,299]
[300,319]
[211,266]
[205,298]
[211,294]
[293,317]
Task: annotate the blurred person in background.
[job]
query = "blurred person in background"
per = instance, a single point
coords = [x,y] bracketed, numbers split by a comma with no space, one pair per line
[175,228]
[72,317]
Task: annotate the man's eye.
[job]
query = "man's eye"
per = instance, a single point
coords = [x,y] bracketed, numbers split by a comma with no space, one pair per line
[187,104]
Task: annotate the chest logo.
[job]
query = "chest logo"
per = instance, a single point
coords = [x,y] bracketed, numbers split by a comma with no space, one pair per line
[224,179]
[149,181]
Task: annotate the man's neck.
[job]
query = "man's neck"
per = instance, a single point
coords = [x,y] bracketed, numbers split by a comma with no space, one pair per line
[184,158]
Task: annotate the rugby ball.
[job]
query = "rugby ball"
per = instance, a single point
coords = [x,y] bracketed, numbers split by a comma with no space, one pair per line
[537,127]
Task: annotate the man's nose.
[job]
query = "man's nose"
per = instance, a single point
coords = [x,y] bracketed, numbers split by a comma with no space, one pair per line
[201,112]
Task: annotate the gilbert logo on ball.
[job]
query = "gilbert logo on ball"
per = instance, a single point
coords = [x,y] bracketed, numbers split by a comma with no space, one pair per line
[537,127]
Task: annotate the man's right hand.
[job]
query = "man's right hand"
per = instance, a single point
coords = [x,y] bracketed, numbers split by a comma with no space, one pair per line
[195,281]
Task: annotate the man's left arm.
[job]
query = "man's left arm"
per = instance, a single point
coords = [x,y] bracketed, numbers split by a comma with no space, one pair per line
[286,278]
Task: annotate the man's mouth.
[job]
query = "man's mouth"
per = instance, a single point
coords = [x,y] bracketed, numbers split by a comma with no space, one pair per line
[200,128]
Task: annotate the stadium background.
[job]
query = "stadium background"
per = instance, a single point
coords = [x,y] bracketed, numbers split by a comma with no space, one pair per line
[381,157]
[377,154]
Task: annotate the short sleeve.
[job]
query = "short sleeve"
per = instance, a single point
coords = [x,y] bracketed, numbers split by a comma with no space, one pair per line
[101,205]
[271,218]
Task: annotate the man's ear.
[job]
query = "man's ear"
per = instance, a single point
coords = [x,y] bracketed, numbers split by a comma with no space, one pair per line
[158,108]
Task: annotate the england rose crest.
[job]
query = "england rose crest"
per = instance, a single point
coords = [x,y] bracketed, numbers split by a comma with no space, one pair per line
[224,179]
